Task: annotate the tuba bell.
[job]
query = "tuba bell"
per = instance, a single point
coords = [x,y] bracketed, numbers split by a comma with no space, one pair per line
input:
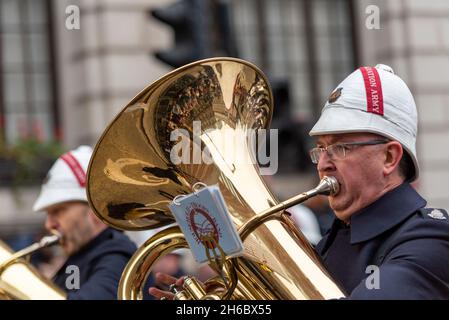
[133,176]
[19,280]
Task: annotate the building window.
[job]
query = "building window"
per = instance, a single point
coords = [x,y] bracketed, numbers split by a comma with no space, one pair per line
[333,43]
[307,43]
[306,48]
[27,99]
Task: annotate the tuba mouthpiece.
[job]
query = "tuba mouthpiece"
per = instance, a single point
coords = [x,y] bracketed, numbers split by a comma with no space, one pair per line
[50,240]
[329,186]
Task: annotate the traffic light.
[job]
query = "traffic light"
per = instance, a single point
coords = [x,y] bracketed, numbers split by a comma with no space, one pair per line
[201,29]
[281,99]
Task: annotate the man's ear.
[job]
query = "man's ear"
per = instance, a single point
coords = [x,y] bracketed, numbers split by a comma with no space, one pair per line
[393,156]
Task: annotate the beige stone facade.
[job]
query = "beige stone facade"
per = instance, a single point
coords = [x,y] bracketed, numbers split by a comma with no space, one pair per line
[105,63]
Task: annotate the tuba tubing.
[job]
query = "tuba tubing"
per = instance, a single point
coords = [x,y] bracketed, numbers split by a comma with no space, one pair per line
[327,186]
[132,178]
[139,267]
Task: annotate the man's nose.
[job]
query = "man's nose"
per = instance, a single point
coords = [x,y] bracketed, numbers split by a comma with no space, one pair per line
[51,223]
[325,163]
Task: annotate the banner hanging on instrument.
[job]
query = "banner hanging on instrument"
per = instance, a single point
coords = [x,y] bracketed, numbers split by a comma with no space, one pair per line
[205,221]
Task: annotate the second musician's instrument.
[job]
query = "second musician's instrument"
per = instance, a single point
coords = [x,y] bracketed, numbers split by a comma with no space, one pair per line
[19,280]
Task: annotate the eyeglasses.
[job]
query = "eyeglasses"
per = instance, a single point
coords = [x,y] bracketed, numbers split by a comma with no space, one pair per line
[338,151]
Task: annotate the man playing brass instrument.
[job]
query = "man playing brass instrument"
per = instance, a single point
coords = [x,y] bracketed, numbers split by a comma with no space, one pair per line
[384,243]
[96,253]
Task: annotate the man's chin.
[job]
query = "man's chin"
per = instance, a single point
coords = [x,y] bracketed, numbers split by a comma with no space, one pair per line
[338,206]
[335,202]
[68,250]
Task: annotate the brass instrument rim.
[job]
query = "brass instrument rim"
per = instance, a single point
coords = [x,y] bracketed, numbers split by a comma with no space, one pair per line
[278,263]
[144,91]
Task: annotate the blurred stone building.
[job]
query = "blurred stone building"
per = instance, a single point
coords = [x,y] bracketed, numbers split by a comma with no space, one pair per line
[59,81]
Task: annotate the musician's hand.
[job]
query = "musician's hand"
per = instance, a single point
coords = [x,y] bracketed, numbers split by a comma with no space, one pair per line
[166,280]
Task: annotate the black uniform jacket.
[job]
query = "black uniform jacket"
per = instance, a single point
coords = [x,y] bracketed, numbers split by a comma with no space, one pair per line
[100,264]
[414,245]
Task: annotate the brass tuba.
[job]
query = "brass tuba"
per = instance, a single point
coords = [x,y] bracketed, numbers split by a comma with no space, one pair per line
[134,174]
[19,280]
